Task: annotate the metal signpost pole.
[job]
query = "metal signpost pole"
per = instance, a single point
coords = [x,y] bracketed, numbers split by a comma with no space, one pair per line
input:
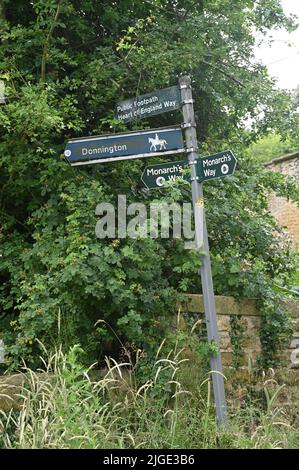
[201,237]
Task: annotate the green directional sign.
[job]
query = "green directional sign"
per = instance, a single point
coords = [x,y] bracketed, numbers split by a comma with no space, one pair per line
[155,176]
[124,146]
[150,104]
[216,166]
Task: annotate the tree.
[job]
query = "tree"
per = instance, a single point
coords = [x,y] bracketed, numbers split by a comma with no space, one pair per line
[272,146]
[65,64]
[296,96]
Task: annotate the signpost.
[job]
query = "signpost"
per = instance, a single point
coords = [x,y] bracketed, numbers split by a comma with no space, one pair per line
[201,236]
[166,141]
[2,92]
[216,166]
[2,351]
[114,147]
[150,104]
[155,176]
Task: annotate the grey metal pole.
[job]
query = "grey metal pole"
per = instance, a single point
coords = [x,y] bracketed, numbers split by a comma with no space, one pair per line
[202,243]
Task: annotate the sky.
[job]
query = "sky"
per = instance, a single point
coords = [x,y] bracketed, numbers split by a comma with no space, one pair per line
[282,58]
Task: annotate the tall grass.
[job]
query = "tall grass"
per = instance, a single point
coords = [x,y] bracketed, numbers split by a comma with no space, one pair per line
[66,406]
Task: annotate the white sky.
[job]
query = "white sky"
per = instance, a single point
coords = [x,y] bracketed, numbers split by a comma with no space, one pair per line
[282,57]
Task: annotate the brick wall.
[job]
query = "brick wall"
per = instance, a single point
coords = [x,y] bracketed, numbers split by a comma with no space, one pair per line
[286,213]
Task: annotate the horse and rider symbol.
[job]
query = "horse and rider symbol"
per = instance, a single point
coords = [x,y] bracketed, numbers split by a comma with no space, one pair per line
[157,142]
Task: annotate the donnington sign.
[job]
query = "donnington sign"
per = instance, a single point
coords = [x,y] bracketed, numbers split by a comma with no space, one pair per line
[125,146]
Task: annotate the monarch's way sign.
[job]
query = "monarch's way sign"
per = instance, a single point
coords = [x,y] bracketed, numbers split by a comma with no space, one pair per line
[210,167]
[155,176]
[114,147]
[216,166]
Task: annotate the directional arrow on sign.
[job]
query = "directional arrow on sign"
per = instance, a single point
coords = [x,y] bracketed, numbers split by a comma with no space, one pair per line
[155,176]
[216,166]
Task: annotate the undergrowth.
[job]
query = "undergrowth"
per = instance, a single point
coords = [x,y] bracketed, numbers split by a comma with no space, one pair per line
[66,406]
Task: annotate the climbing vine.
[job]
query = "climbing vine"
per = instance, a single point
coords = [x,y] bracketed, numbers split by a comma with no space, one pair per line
[275,331]
[236,333]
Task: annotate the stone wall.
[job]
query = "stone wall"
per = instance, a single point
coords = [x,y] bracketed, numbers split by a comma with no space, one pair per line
[284,380]
[248,319]
[286,213]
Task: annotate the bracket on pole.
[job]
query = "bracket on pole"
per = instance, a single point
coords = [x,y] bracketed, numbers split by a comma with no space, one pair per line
[191,101]
[184,86]
[185,125]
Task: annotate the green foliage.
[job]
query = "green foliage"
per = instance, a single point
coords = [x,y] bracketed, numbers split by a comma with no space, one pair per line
[65,64]
[295,281]
[276,330]
[272,146]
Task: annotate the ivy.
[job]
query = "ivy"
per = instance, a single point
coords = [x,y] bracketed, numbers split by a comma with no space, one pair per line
[275,333]
[236,333]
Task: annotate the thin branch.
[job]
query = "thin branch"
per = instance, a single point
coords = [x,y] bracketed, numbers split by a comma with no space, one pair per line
[228,75]
[46,45]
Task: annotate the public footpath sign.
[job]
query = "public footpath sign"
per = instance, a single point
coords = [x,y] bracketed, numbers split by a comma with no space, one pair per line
[155,176]
[115,147]
[150,104]
[216,166]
